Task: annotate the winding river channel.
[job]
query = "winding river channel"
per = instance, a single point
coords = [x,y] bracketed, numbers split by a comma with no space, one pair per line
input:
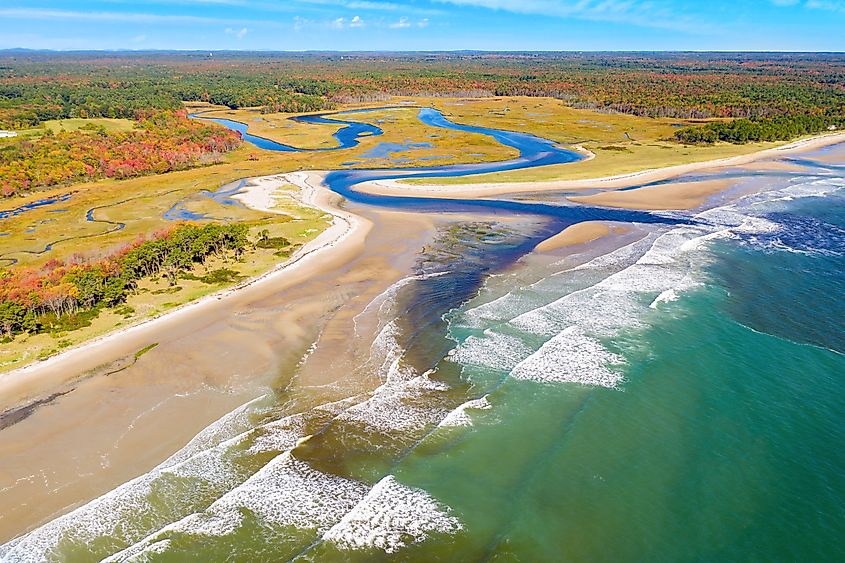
[533,152]
[469,399]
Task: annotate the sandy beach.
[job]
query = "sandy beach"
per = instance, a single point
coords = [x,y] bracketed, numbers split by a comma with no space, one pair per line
[211,357]
[396,187]
[679,195]
[334,245]
[223,350]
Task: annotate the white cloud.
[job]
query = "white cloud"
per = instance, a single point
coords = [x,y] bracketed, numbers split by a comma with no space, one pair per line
[239,33]
[139,38]
[300,23]
[829,5]
[647,13]
[369,5]
[36,13]
[342,23]
[401,24]
[131,17]
[821,5]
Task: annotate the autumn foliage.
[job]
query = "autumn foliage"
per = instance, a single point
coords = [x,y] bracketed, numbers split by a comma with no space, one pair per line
[163,141]
[33,298]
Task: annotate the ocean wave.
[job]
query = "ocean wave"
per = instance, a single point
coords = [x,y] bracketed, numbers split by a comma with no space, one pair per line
[285,492]
[767,221]
[550,287]
[392,516]
[571,357]
[112,515]
[384,301]
[290,493]
[386,355]
[628,285]
[492,349]
[460,417]
[399,407]
[800,234]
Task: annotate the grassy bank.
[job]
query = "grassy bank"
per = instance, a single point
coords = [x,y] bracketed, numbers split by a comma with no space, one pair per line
[157,295]
[93,218]
[621,143]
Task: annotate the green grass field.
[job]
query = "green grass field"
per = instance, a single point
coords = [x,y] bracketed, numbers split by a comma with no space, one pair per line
[80,125]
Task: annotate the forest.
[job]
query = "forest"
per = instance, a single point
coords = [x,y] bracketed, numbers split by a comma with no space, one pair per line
[753,97]
[163,141]
[36,86]
[753,130]
[63,295]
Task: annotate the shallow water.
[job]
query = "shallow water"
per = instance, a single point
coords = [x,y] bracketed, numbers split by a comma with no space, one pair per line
[677,398]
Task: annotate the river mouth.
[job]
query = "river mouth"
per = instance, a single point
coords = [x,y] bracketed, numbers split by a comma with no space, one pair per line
[361,446]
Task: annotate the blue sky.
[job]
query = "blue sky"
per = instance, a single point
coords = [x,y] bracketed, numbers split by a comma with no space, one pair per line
[788,25]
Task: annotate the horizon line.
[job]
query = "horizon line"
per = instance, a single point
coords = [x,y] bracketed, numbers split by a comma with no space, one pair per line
[433,51]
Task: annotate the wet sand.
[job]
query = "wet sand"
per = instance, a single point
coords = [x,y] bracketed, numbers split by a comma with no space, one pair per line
[832,155]
[210,358]
[579,233]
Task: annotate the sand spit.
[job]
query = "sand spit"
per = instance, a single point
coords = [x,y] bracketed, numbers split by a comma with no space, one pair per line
[679,195]
[397,188]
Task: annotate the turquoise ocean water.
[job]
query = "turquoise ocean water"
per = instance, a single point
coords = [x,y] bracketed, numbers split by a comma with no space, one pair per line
[679,398]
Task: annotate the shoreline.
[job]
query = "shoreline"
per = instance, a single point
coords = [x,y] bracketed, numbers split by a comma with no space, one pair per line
[302,331]
[313,263]
[345,232]
[258,195]
[399,188]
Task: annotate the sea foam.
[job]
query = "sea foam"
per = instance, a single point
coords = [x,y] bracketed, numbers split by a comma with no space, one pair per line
[460,417]
[392,516]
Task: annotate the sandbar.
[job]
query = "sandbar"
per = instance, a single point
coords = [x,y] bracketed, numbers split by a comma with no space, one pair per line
[579,233]
[677,195]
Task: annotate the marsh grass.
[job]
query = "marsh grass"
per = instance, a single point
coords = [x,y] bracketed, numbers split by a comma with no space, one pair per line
[124,210]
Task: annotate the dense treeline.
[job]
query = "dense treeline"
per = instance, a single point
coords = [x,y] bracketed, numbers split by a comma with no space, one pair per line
[163,141]
[40,86]
[27,103]
[61,295]
[28,100]
[753,130]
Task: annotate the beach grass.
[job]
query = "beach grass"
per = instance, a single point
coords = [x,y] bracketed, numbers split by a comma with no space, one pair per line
[299,224]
